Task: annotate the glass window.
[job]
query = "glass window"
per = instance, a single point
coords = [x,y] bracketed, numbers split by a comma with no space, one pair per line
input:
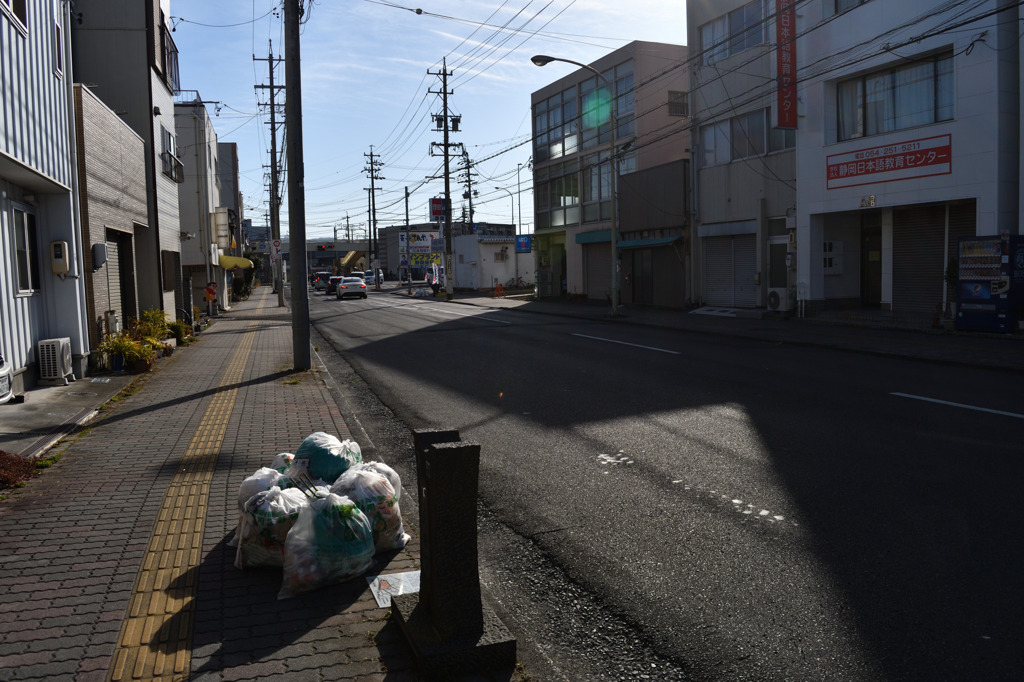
[844,5]
[732,33]
[17,9]
[748,135]
[25,251]
[903,97]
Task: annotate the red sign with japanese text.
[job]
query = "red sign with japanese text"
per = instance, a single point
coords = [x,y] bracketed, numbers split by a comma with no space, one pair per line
[785,62]
[899,161]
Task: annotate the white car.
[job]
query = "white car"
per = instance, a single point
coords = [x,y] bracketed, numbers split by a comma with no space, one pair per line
[351,286]
[6,380]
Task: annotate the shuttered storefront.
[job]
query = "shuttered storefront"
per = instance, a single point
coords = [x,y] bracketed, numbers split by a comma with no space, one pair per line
[730,263]
[920,250]
[597,260]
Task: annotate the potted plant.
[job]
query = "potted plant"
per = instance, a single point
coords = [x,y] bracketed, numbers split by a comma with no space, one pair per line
[122,350]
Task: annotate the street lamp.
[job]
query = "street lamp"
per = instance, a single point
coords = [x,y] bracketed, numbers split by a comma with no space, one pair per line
[542,60]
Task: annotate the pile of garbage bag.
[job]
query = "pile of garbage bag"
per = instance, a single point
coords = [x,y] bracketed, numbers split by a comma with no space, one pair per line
[320,514]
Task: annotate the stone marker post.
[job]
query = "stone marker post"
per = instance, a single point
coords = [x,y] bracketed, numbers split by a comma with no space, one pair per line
[448,627]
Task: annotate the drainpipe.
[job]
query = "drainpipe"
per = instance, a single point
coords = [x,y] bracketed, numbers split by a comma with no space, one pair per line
[77,244]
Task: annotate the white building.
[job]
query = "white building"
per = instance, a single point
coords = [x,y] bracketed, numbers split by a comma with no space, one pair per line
[42,296]
[899,133]
[910,129]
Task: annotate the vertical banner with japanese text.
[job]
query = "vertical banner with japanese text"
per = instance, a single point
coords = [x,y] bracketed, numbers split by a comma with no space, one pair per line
[785,56]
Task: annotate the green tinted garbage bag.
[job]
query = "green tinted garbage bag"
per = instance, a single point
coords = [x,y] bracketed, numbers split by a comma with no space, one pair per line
[325,457]
[374,495]
[331,542]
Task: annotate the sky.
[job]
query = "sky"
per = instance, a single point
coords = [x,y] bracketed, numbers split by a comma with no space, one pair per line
[365,87]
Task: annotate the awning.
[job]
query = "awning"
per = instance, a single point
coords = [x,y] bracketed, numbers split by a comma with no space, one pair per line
[648,243]
[232,262]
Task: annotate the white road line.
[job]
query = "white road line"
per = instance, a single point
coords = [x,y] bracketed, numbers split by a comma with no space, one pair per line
[635,345]
[966,407]
[475,316]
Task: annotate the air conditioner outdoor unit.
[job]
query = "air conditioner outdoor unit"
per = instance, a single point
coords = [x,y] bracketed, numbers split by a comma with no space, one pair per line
[55,360]
[779,300]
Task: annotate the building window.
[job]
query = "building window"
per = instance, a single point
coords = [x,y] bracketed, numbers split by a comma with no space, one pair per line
[557,195]
[832,258]
[58,47]
[733,33]
[678,103]
[845,5]
[906,96]
[748,135]
[172,166]
[16,8]
[25,251]
[169,55]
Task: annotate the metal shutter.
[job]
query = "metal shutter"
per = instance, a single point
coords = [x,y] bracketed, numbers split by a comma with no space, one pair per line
[718,274]
[729,267]
[744,268]
[919,253]
[598,264]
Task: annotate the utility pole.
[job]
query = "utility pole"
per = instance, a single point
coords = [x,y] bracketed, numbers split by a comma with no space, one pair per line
[448,124]
[296,186]
[373,168]
[407,255]
[275,196]
[468,179]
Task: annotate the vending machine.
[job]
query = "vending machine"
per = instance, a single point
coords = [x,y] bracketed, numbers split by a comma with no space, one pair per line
[984,270]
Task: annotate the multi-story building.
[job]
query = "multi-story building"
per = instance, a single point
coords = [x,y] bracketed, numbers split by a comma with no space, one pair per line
[745,163]
[206,223]
[112,195]
[42,296]
[909,138]
[125,52]
[848,144]
[573,177]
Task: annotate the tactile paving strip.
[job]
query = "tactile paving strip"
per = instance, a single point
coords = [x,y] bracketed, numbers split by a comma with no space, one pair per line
[156,638]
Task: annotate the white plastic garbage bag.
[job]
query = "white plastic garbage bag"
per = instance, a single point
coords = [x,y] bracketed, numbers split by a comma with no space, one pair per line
[324,456]
[389,473]
[331,542]
[265,478]
[374,495]
[282,461]
[266,520]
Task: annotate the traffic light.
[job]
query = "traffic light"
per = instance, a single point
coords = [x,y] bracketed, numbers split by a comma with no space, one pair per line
[325,247]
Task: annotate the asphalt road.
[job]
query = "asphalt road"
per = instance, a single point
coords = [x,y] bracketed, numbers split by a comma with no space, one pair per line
[661,505]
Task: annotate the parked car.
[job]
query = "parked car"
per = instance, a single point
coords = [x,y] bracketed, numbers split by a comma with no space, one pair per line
[351,286]
[332,284]
[6,380]
[370,278]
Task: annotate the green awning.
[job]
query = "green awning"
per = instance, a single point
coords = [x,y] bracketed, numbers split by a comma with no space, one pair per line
[648,243]
[595,237]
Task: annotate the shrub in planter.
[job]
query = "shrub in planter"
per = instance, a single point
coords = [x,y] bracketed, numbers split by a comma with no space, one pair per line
[123,350]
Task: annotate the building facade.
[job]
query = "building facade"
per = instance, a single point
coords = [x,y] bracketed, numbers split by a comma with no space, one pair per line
[124,50]
[909,139]
[573,175]
[112,194]
[845,146]
[745,163]
[42,294]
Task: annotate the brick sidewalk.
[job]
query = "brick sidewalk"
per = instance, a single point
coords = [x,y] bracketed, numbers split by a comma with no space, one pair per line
[78,540]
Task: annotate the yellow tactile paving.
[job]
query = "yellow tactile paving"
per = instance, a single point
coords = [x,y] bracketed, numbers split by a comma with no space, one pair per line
[156,637]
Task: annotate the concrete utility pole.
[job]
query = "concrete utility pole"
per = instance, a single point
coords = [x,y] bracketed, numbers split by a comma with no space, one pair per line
[296,187]
[468,179]
[407,255]
[275,195]
[443,120]
[373,168]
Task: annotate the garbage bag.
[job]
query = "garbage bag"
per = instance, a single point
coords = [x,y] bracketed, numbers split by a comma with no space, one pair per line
[265,478]
[391,474]
[330,542]
[375,496]
[266,520]
[325,457]
[282,461]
